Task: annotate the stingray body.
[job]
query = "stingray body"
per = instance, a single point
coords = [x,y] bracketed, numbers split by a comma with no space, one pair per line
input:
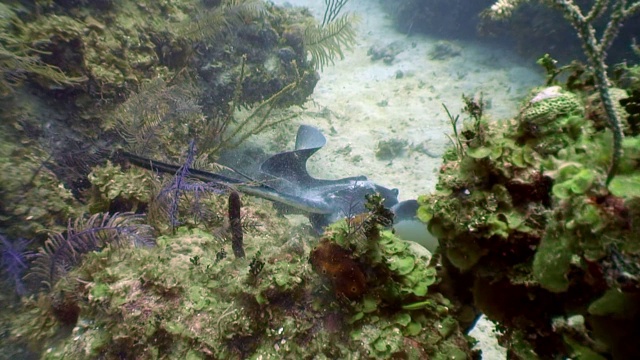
[287,182]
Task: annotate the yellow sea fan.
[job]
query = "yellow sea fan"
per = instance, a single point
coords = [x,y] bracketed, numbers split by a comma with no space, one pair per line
[325,43]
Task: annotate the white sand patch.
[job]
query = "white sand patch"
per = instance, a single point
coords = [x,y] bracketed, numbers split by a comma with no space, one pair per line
[359,102]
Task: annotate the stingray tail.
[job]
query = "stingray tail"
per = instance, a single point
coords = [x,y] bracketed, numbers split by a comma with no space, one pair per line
[163,167]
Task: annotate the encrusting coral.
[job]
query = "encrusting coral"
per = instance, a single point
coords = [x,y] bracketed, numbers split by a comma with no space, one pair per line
[185,298]
[594,48]
[32,198]
[524,213]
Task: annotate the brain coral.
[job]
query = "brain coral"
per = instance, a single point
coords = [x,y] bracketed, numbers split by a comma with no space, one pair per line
[550,104]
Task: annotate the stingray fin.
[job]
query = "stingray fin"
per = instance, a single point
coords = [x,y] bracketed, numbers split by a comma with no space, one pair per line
[405,210]
[309,137]
[292,165]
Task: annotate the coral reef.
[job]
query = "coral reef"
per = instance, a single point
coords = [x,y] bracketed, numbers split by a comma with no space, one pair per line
[595,48]
[78,80]
[66,70]
[63,251]
[185,298]
[32,198]
[18,61]
[524,214]
[119,68]
[116,190]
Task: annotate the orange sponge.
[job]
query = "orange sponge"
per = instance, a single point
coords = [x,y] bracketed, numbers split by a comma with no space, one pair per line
[337,265]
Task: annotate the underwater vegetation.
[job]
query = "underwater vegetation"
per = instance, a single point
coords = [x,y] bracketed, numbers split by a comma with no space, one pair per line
[541,241]
[326,41]
[184,298]
[14,261]
[80,81]
[41,278]
[535,229]
[595,48]
[264,80]
[18,60]
[97,57]
[95,287]
[63,251]
[31,196]
[184,200]
[114,189]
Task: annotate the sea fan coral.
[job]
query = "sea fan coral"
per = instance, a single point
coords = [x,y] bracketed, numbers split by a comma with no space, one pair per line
[14,261]
[63,251]
[168,201]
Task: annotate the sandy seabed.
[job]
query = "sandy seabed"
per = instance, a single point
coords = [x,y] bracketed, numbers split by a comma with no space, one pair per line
[359,102]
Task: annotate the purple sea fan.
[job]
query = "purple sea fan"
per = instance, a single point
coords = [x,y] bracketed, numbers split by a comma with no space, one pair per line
[168,199]
[14,261]
[64,251]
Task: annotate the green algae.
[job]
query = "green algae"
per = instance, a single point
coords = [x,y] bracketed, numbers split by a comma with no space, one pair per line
[32,198]
[523,210]
[181,299]
[130,188]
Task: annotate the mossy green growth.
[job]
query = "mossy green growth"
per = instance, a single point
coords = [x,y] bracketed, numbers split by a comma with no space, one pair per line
[543,228]
[384,338]
[407,274]
[112,48]
[410,269]
[398,274]
[32,198]
[615,302]
[626,184]
[589,218]
[577,184]
[464,219]
[183,299]
[491,194]
[18,58]
[138,296]
[130,188]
